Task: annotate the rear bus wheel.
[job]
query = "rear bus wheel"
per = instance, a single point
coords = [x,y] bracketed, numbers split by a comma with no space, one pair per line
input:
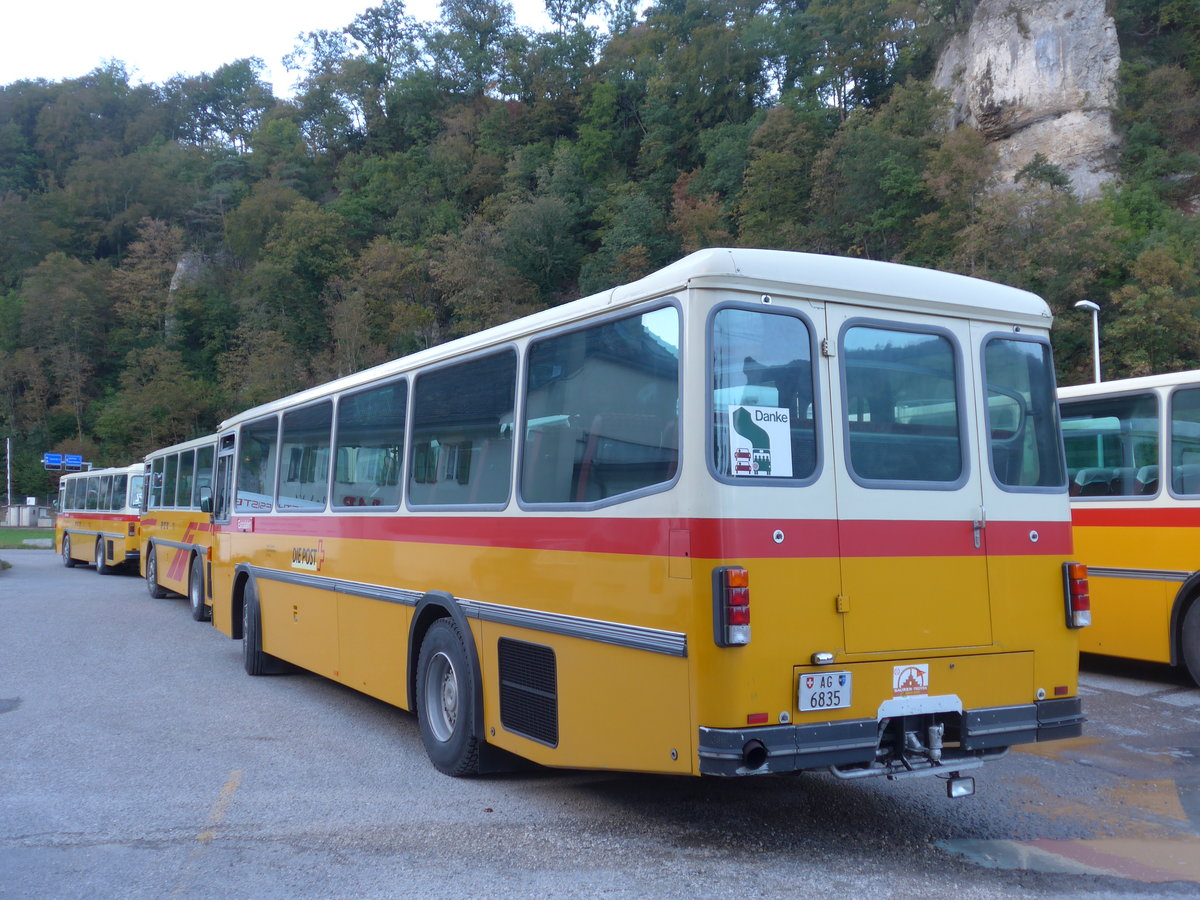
[446,701]
[102,565]
[68,560]
[156,590]
[1190,638]
[196,590]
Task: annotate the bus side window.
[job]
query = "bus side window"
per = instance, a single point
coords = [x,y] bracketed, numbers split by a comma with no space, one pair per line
[304,480]
[370,447]
[1185,441]
[170,478]
[187,468]
[202,488]
[602,410]
[1112,446]
[120,489]
[256,466]
[462,432]
[156,483]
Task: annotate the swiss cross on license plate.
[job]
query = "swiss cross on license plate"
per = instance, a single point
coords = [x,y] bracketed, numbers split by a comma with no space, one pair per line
[824,690]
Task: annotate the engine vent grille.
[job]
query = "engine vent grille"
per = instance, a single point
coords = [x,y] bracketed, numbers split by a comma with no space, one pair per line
[529,690]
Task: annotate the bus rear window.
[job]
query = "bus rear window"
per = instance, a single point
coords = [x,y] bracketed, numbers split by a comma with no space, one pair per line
[1020,413]
[902,406]
[764,419]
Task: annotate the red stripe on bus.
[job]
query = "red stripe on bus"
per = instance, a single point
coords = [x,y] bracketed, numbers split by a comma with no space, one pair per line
[1133,517]
[708,538]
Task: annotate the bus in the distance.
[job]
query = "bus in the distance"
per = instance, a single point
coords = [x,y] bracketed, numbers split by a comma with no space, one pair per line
[98,517]
[176,526]
[758,512]
[1133,456]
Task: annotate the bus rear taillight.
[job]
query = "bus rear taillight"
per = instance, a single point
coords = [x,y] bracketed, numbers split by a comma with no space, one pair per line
[1078,598]
[132,529]
[731,606]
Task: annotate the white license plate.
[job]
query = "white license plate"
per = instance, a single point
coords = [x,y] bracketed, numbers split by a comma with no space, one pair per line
[824,690]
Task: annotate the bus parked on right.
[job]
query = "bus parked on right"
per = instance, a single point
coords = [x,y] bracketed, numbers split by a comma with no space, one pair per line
[1133,460]
[176,528]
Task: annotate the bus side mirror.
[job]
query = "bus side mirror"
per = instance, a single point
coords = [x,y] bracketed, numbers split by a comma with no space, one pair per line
[206,501]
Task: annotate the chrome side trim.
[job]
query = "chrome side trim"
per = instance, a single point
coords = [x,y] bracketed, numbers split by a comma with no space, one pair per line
[339,586]
[1139,574]
[636,637]
[114,535]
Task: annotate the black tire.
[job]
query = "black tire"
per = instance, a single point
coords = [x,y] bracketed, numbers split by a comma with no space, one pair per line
[102,565]
[69,561]
[196,589]
[157,591]
[253,658]
[446,700]
[1190,640]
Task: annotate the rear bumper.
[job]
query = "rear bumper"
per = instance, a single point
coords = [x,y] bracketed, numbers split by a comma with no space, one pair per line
[795,748]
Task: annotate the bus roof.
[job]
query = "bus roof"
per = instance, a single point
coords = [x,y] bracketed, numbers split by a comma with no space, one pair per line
[782,272]
[1123,385]
[185,445]
[135,469]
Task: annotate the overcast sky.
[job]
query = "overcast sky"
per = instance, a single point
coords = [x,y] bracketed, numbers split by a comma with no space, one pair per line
[156,39]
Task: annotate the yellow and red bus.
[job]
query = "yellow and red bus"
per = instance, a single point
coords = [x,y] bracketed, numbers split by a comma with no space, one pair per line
[758,512]
[98,516]
[1133,455]
[176,525]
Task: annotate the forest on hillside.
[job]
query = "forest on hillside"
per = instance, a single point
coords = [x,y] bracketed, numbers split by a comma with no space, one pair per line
[173,253]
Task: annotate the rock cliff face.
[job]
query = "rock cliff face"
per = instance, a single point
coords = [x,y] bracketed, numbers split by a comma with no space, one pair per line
[1039,76]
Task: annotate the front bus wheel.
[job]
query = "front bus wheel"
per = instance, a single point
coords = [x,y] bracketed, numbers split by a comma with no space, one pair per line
[446,701]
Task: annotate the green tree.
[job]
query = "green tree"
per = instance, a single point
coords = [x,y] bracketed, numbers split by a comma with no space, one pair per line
[1153,320]
[478,287]
[141,285]
[468,49]
[774,203]
[64,315]
[869,181]
[305,250]
[159,403]
[634,241]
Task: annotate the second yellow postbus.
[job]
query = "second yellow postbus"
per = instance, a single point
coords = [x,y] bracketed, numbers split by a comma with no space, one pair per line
[176,526]
[1133,451]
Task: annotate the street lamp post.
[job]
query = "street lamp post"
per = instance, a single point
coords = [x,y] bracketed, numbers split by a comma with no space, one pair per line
[1088,304]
